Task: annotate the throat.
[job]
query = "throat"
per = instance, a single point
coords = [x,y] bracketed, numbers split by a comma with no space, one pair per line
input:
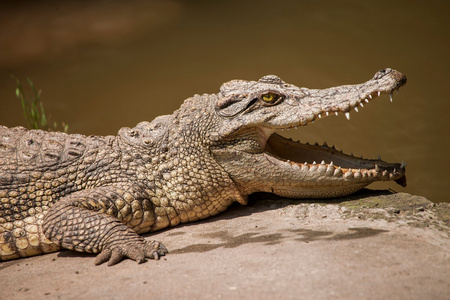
[252,140]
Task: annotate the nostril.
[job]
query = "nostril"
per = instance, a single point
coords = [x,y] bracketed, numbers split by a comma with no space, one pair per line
[382,73]
[399,78]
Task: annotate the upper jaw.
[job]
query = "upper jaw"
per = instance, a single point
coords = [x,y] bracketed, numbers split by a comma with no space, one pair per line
[317,104]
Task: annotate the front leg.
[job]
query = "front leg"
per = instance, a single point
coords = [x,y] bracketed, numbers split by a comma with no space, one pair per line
[95,221]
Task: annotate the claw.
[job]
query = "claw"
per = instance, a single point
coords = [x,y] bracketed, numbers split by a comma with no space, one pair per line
[116,256]
[163,248]
[137,252]
[154,250]
[103,257]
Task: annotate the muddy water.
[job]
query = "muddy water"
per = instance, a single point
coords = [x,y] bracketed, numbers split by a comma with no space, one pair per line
[103,65]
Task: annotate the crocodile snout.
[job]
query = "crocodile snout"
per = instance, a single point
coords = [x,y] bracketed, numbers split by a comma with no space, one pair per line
[400,78]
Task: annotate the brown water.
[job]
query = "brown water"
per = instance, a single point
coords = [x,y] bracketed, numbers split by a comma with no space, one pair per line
[102,65]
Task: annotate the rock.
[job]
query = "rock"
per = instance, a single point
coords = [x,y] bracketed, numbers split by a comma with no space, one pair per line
[372,245]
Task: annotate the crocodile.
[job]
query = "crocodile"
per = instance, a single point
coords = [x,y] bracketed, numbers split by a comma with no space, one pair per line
[97,194]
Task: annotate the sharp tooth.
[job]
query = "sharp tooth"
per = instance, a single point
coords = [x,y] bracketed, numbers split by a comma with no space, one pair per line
[379,93]
[316,144]
[329,170]
[362,105]
[379,157]
[377,168]
[322,168]
[336,113]
[370,96]
[326,113]
[347,115]
[325,144]
[331,164]
[403,164]
[356,108]
[337,172]
[391,98]
[305,167]
[348,174]
[320,116]
[323,162]
[367,100]
[314,163]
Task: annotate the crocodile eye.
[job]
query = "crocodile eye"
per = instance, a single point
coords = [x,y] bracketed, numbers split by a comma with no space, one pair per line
[270,98]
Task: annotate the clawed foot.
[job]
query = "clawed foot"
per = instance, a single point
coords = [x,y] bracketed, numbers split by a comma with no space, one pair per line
[135,251]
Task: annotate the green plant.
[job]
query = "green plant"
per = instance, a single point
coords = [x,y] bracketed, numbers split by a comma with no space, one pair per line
[33,109]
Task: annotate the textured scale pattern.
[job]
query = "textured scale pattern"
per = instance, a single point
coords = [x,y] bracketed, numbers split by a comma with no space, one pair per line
[97,194]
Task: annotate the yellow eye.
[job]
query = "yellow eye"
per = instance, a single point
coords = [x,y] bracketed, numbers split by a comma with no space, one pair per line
[270,97]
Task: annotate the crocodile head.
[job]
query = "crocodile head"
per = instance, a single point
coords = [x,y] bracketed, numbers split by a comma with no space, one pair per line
[248,115]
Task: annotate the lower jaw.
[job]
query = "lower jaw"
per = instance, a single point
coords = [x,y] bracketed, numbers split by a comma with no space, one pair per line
[319,192]
[318,176]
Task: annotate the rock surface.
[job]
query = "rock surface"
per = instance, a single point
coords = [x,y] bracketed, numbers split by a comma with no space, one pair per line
[372,245]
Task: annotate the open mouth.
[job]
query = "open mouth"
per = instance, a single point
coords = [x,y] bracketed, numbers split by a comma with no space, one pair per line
[330,161]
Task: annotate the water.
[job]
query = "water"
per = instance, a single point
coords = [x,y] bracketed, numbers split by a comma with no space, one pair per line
[102,65]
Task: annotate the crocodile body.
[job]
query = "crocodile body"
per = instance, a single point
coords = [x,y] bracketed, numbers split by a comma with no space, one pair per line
[97,194]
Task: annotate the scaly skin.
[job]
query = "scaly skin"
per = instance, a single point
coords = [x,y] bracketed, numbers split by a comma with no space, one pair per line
[96,194]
